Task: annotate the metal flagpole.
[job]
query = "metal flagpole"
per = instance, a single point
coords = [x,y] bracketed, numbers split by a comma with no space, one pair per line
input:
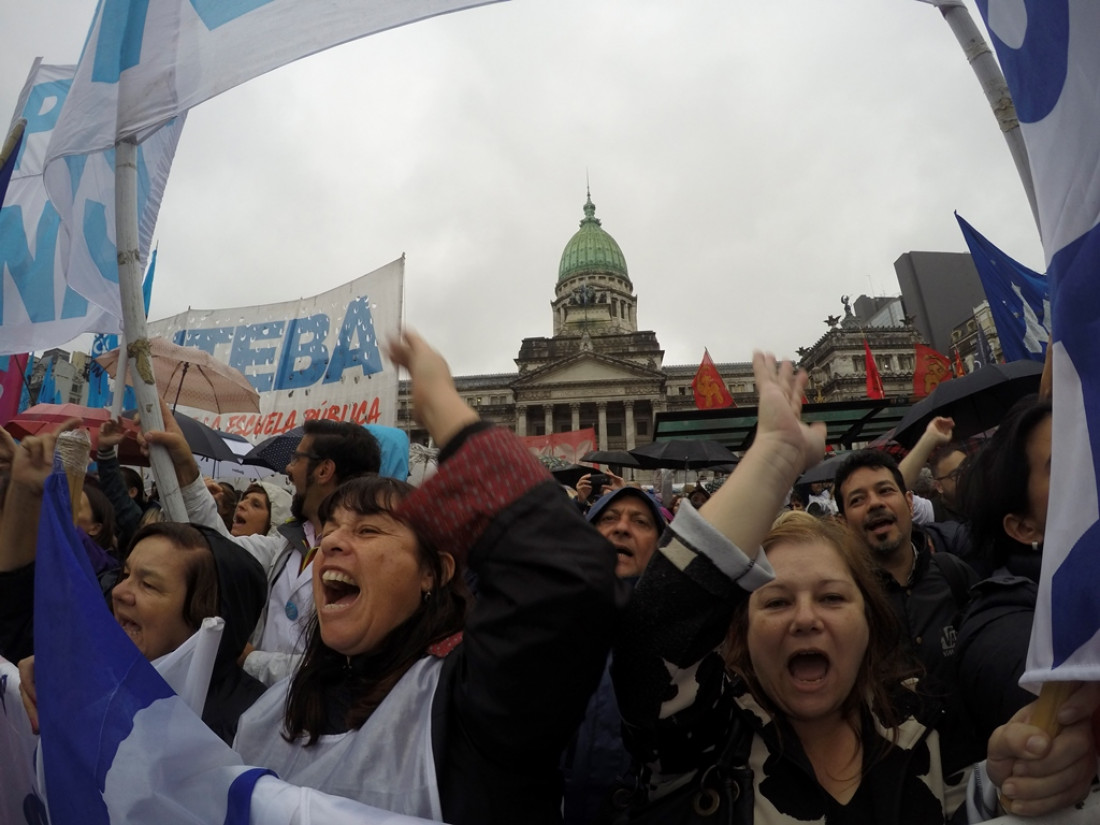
[984,64]
[133,324]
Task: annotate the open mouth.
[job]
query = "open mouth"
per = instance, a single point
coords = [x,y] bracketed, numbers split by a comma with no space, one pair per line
[808,666]
[624,553]
[880,523]
[129,628]
[341,591]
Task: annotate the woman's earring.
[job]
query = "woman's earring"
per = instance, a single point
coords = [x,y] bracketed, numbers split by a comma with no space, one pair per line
[1035,546]
[425,595]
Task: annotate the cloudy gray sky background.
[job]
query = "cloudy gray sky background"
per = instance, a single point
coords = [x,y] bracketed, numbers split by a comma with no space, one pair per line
[755,161]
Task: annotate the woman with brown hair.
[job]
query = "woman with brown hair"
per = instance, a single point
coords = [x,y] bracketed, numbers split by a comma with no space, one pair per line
[401,701]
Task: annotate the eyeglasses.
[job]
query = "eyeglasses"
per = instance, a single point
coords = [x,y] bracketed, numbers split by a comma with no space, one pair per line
[297,454]
[953,475]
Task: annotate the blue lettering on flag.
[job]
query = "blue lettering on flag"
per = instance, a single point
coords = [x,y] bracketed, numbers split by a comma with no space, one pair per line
[1035,92]
[215,13]
[287,377]
[99,245]
[358,324]
[121,30]
[43,106]
[243,355]
[33,275]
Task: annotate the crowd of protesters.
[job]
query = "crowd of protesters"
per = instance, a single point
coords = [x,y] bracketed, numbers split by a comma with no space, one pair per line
[487,649]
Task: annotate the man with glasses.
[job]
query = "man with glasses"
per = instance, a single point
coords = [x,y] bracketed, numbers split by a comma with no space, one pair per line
[330,453]
[945,458]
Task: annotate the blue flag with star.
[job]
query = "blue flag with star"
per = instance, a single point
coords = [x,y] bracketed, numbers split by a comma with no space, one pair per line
[1019,298]
[1047,49]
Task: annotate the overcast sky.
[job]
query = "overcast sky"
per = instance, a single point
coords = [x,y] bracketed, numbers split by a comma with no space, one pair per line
[755,161]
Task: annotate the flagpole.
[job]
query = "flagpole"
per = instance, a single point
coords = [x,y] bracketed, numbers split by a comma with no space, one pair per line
[993,83]
[133,324]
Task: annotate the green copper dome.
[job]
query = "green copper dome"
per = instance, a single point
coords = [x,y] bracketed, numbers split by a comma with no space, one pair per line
[591,249]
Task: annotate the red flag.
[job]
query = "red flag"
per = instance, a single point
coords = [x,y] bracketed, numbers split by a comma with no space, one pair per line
[932,368]
[11,385]
[874,380]
[709,388]
[960,370]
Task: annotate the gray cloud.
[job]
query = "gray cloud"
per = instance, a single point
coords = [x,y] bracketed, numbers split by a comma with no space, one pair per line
[754,162]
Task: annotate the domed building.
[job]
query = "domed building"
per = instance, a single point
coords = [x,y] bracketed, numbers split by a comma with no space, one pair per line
[597,370]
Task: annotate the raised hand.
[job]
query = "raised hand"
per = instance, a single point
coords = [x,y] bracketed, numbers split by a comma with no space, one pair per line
[111,433]
[32,459]
[172,439]
[780,389]
[436,403]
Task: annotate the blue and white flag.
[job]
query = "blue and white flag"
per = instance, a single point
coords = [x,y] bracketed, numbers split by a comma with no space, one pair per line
[148,61]
[1048,51]
[117,745]
[47,390]
[41,264]
[99,389]
[1019,298]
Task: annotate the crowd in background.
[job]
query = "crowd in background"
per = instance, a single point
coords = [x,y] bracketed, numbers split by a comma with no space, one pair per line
[485,648]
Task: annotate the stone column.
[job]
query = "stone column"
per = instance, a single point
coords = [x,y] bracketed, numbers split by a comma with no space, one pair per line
[521,420]
[575,416]
[601,432]
[630,430]
[548,417]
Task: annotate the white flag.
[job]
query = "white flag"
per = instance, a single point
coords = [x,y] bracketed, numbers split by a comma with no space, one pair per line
[1050,60]
[44,269]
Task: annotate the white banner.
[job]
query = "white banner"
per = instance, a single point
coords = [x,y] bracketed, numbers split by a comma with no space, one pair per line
[40,263]
[318,357]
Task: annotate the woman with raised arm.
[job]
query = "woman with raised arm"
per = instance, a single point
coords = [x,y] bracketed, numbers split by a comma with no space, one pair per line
[763,680]
[402,700]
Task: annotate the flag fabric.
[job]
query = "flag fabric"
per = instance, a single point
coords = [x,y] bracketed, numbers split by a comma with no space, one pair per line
[932,368]
[117,745]
[1050,60]
[42,264]
[12,369]
[25,393]
[99,390]
[47,390]
[709,388]
[1019,298]
[983,353]
[148,61]
[874,380]
[960,370]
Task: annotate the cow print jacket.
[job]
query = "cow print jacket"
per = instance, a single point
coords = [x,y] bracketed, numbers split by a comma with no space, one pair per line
[679,704]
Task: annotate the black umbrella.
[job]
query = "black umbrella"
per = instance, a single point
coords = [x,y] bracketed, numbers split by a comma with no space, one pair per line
[620,458]
[202,439]
[683,454]
[824,471]
[977,401]
[275,452]
[570,474]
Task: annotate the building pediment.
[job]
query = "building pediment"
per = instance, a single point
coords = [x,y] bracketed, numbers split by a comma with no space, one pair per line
[587,368]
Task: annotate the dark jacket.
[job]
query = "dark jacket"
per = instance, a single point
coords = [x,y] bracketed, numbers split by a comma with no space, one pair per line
[536,641]
[242,593]
[113,484]
[931,602]
[992,650]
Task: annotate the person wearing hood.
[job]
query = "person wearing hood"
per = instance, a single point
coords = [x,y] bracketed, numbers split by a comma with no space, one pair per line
[176,575]
[260,510]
